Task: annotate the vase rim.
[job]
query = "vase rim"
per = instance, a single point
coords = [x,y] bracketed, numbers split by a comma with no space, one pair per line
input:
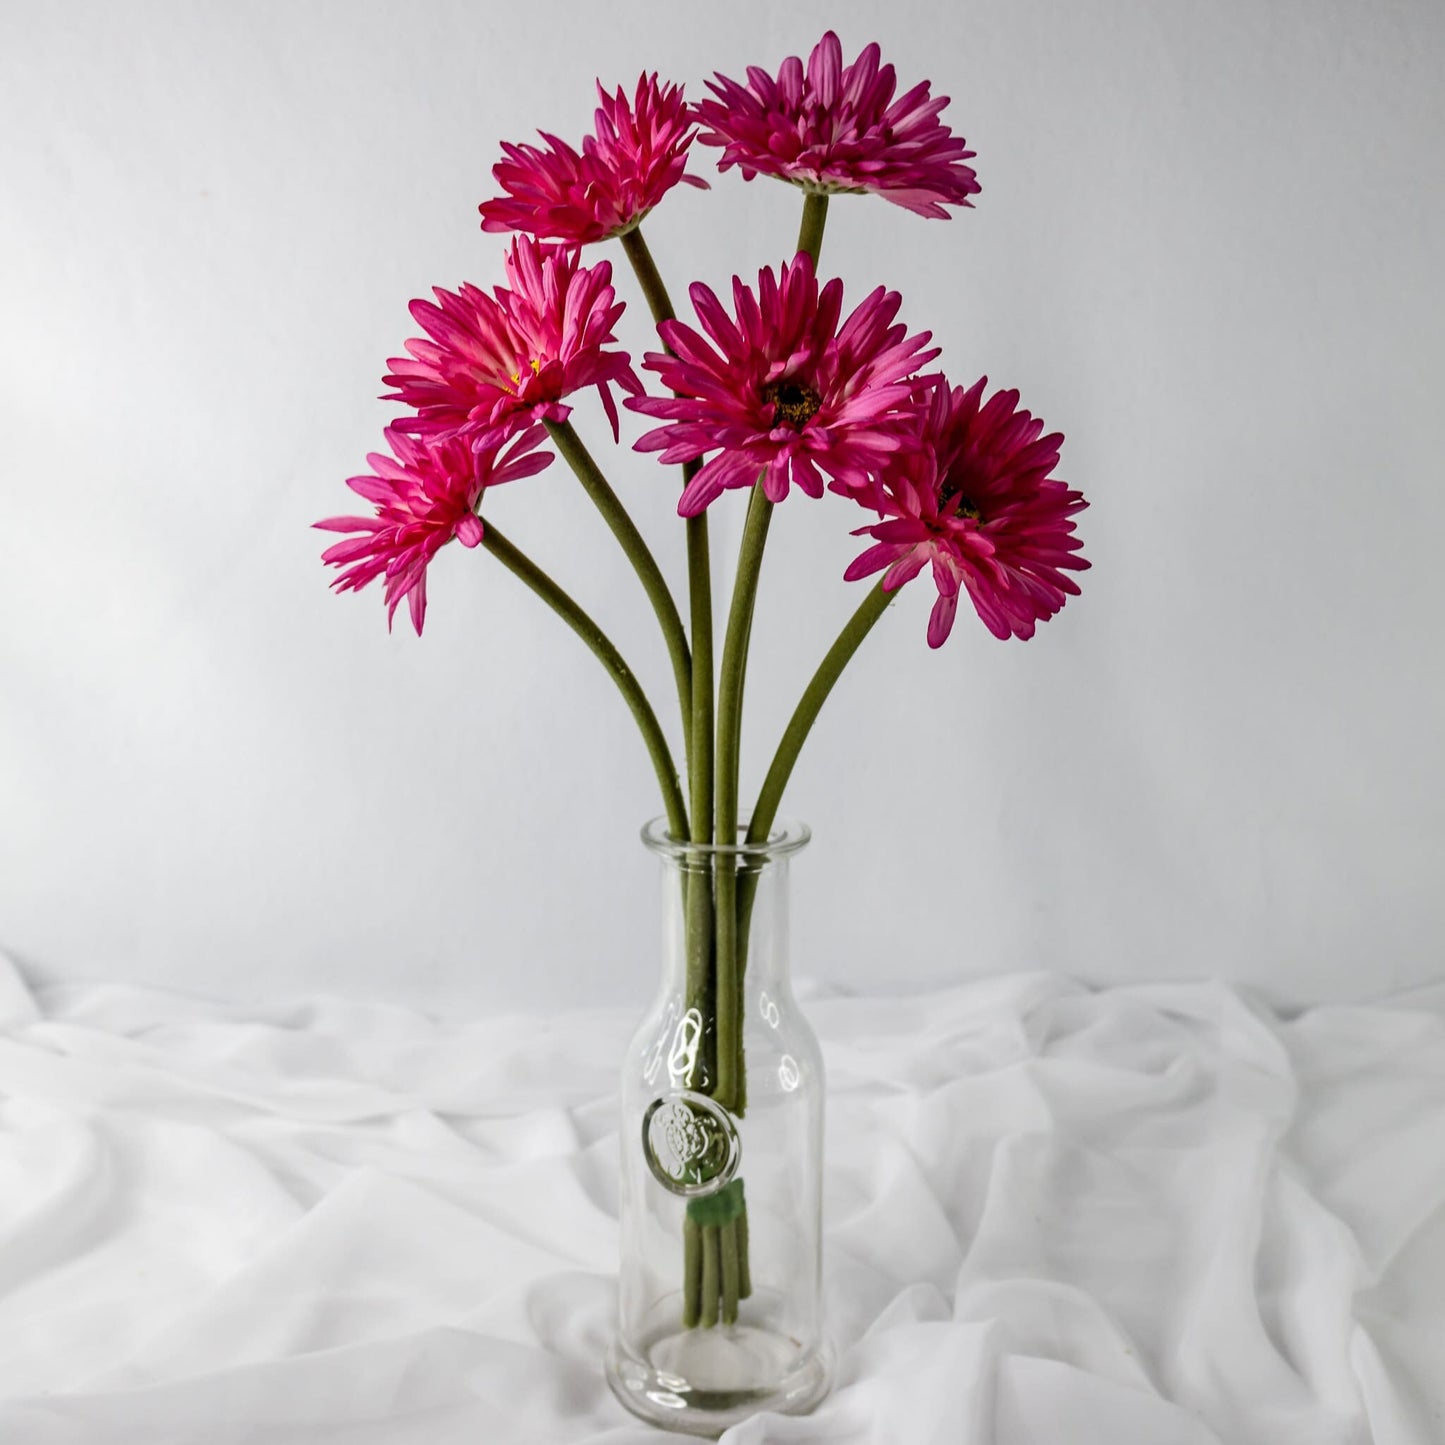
[788,835]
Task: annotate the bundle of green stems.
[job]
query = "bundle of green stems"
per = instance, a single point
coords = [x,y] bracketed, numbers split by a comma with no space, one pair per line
[718,884]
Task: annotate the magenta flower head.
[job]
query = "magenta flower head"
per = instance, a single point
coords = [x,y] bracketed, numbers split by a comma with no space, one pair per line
[495,364]
[977,503]
[426,494]
[636,154]
[784,393]
[837,127]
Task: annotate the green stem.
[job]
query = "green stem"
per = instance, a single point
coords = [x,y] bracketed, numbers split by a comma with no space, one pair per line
[795,734]
[731,1271]
[522,567]
[706,1297]
[809,705]
[734,898]
[800,724]
[735,661]
[569,444]
[698,723]
[710,1289]
[691,1271]
[700,752]
[697,877]
[648,276]
[699,577]
[815,216]
[745,1274]
[729,732]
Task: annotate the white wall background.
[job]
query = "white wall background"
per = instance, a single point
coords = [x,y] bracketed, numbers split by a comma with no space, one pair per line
[1208,249]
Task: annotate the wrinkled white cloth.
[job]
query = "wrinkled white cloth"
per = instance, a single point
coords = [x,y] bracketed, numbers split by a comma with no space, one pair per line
[1139,1216]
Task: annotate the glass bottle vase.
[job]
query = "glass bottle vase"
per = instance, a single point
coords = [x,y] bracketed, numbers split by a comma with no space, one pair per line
[720,1307]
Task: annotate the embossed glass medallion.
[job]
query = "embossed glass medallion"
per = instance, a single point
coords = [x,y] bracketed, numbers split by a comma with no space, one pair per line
[691,1143]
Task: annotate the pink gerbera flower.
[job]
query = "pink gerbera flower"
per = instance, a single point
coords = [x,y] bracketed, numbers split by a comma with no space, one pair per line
[425,495]
[637,153]
[838,128]
[977,503]
[784,393]
[496,363]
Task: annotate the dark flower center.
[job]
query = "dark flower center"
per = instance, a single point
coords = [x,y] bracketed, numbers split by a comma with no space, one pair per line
[794,403]
[963,505]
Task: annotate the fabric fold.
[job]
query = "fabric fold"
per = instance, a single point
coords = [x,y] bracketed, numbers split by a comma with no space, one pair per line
[1153,1215]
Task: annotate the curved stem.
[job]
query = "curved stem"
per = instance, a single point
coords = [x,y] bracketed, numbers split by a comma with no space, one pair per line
[522,567]
[809,705]
[569,444]
[815,216]
[795,734]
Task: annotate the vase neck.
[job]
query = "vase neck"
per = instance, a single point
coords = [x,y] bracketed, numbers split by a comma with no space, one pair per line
[698,895]
[725,963]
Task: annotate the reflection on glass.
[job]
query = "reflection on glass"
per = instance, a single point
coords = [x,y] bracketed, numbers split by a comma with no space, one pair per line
[683,1058]
[654,1054]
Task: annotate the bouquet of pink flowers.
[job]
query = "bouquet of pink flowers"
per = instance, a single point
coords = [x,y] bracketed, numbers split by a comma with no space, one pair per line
[777,388]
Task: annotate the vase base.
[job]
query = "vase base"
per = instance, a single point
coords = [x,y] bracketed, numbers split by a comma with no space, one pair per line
[703,1381]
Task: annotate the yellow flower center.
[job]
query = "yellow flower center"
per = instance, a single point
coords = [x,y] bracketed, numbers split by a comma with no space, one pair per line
[516,386]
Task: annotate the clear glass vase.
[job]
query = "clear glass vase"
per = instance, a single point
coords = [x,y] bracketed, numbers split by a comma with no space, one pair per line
[720,1306]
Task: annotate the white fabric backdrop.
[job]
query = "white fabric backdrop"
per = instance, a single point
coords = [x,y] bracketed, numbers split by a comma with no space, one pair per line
[1153,1215]
[1207,250]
